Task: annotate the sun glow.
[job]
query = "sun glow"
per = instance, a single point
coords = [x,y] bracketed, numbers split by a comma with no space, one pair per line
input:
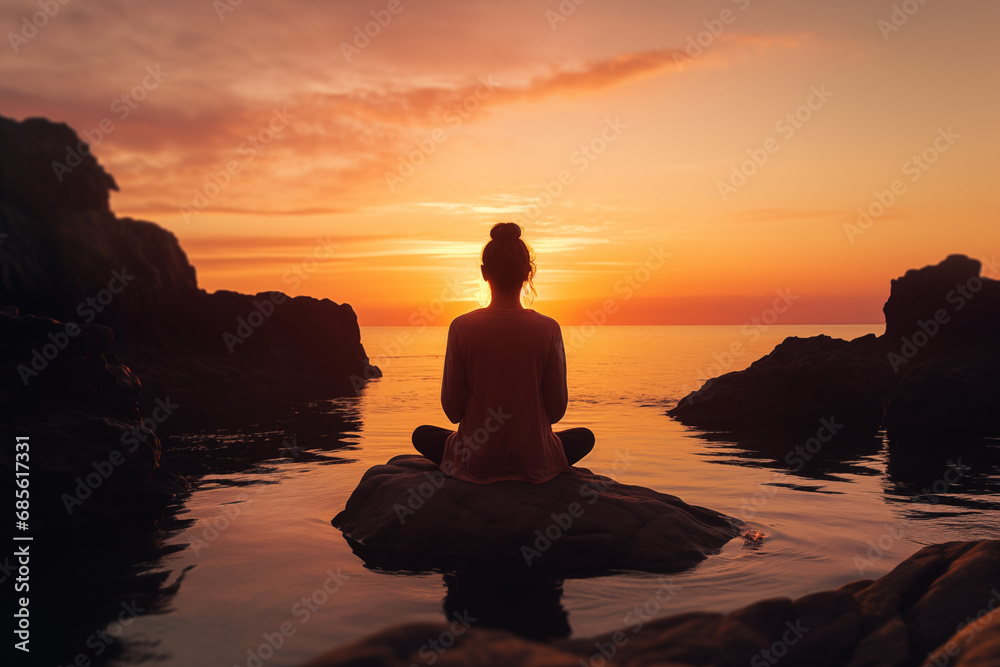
[492,129]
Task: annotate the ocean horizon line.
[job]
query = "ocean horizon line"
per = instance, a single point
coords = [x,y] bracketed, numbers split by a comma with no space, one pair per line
[627,324]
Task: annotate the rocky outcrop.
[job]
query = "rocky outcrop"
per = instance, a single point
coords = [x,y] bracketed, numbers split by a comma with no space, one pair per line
[802,381]
[65,255]
[31,183]
[935,608]
[936,368]
[408,515]
[971,304]
[89,452]
[92,480]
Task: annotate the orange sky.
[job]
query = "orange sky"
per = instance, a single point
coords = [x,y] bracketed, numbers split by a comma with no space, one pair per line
[455,115]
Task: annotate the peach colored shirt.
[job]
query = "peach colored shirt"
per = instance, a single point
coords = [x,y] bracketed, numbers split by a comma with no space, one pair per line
[505,385]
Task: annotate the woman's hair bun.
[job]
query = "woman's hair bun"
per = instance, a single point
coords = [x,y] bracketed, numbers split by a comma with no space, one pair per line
[505,231]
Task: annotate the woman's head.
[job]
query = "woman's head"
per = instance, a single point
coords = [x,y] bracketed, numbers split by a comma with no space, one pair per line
[508,262]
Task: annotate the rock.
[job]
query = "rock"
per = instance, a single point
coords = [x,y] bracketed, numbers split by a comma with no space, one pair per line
[952,392]
[954,286]
[802,381]
[28,180]
[63,249]
[935,370]
[408,515]
[977,645]
[936,602]
[99,492]
[91,458]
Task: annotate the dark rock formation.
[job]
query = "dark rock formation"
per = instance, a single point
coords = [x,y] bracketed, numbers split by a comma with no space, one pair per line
[408,515]
[66,256]
[105,301]
[97,490]
[936,368]
[90,454]
[802,381]
[932,609]
[28,181]
[972,303]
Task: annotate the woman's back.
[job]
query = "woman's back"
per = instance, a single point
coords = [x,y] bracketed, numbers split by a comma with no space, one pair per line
[505,382]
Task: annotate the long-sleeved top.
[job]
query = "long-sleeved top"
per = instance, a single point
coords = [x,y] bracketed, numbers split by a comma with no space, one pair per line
[505,385]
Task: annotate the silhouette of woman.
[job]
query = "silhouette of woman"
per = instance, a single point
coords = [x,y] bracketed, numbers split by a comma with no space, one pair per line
[504,382]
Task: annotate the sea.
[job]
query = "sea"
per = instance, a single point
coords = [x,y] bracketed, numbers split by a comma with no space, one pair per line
[253,572]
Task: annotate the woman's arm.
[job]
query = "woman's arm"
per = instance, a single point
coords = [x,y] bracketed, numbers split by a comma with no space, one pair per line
[554,391]
[454,384]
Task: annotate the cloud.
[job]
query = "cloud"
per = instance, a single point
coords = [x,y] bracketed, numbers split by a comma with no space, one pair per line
[351,122]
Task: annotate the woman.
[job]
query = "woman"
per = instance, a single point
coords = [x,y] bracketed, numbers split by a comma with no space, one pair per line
[504,382]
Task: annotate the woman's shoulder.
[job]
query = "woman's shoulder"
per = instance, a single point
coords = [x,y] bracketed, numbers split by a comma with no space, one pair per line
[486,317]
[466,318]
[469,320]
[543,320]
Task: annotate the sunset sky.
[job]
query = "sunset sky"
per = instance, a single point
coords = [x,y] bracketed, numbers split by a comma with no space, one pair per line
[390,156]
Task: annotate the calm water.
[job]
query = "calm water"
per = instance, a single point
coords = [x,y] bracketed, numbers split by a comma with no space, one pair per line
[259,537]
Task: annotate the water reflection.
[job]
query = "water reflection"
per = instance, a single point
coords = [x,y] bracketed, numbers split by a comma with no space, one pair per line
[521,601]
[525,602]
[847,453]
[950,470]
[99,577]
[530,607]
[227,444]
[87,600]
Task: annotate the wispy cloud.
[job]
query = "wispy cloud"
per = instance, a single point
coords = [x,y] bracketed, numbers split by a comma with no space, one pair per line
[351,124]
